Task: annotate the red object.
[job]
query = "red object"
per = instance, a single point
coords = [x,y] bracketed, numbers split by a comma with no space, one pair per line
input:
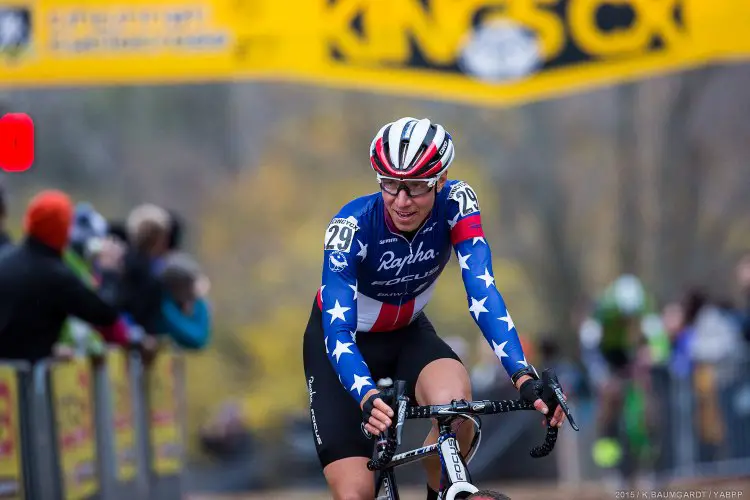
[16,142]
[48,218]
[117,333]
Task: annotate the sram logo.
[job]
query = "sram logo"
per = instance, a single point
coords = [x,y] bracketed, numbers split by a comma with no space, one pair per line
[402,33]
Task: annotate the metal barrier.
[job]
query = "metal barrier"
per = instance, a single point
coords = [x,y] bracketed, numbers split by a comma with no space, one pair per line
[702,428]
[105,430]
[14,472]
[712,407]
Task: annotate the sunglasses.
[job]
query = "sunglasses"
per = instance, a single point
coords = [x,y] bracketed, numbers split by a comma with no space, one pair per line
[413,187]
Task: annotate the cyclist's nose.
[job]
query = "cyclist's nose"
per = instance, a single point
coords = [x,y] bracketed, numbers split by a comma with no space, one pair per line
[402,199]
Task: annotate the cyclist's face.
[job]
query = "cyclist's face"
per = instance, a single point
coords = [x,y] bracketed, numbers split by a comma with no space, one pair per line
[408,212]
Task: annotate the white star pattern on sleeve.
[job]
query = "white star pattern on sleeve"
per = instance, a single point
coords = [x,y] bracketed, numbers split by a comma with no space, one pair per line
[462,260]
[354,335]
[477,307]
[354,287]
[499,349]
[341,348]
[337,312]
[472,248]
[362,250]
[508,320]
[487,278]
[359,383]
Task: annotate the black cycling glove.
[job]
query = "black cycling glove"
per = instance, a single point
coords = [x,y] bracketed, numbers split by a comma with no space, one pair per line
[369,405]
[532,389]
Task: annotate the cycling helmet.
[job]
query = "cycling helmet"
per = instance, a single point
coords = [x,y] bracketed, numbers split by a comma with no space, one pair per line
[411,149]
[629,294]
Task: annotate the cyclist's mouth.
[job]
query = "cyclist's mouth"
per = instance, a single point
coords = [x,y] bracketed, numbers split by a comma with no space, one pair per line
[405,216]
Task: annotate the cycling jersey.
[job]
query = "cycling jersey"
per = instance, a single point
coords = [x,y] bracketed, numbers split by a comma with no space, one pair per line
[376,280]
[606,329]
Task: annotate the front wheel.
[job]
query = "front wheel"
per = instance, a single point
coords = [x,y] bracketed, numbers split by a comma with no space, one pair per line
[487,495]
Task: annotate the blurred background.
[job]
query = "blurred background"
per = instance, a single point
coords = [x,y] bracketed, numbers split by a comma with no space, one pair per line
[602,139]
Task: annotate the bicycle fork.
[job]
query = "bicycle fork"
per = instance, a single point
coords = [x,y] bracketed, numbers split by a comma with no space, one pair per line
[455,477]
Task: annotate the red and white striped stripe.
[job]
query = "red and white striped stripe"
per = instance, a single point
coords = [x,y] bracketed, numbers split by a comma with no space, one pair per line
[376,316]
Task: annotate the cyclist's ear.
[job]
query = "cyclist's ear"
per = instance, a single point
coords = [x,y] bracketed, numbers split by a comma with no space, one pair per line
[441,181]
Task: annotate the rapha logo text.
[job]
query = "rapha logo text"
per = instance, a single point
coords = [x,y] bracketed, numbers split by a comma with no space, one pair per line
[389,260]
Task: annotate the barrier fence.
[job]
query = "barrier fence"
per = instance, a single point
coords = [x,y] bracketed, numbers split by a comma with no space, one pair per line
[108,429]
[701,422]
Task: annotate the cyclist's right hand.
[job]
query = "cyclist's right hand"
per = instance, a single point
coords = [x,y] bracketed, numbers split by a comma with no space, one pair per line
[376,412]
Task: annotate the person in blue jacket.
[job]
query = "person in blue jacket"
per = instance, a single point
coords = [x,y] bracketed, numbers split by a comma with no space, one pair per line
[186,317]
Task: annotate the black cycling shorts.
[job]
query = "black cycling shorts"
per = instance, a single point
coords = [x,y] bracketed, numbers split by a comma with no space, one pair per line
[335,416]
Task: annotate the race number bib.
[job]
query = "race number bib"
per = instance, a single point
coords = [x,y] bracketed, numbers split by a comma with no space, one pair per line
[340,234]
[466,198]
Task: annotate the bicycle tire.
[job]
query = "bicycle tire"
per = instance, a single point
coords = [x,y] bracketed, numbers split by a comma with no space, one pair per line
[487,495]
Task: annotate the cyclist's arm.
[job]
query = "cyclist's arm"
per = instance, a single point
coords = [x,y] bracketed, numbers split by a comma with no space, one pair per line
[339,305]
[486,304]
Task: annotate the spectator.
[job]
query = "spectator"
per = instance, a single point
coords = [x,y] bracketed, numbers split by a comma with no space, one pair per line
[4,238]
[680,335]
[743,279]
[717,351]
[116,230]
[87,240]
[140,294]
[37,291]
[185,312]
[176,231]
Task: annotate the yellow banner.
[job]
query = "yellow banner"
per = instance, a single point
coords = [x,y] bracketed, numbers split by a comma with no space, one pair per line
[122,414]
[72,390]
[11,478]
[166,434]
[489,51]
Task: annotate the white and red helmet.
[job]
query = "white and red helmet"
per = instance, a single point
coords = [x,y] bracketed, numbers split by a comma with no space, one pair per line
[411,149]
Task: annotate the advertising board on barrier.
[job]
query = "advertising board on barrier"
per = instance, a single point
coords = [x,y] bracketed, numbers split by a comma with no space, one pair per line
[123,415]
[11,479]
[166,433]
[490,51]
[71,399]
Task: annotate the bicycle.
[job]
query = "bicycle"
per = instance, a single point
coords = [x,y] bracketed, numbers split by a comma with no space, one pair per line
[456,481]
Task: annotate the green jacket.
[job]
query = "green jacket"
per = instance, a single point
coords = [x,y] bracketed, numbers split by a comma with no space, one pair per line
[76,333]
[614,327]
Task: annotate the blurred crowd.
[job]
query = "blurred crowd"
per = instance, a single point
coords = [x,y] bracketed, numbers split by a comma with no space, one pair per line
[667,382]
[75,282]
[710,352]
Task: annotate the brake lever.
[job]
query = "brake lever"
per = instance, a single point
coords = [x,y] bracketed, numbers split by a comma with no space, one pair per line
[401,418]
[401,400]
[552,384]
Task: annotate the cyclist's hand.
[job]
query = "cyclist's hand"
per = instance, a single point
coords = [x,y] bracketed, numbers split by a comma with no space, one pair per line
[376,413]
[531,390]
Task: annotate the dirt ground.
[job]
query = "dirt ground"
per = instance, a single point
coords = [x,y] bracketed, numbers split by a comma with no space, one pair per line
[715,489]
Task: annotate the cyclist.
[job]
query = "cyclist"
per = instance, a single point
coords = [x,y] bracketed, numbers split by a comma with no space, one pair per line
[383,253]
[623,326]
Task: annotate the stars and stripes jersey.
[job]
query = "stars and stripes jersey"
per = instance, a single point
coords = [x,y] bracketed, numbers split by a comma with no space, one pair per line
[375,279]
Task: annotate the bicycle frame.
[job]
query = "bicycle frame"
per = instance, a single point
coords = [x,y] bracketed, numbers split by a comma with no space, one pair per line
[455,475]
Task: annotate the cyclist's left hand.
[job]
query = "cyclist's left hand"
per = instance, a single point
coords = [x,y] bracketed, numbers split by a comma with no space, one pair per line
[531,391]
